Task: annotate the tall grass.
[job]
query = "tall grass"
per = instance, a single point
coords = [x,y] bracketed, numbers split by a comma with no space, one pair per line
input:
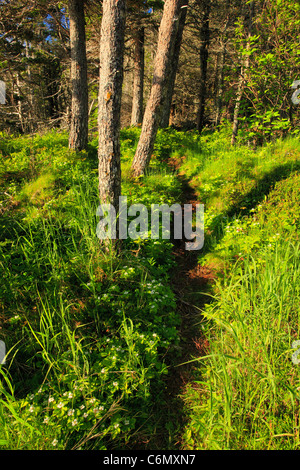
[246,389]
[90,325]
[248,397]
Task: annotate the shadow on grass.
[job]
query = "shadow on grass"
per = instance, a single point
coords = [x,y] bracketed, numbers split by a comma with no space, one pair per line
[245,203]
[262,188]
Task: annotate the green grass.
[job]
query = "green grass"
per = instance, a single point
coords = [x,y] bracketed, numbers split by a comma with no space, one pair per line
[245,393]
[86,329]
[91,332]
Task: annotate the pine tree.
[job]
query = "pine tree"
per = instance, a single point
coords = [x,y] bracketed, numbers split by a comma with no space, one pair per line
[109,100]
[165,52]
[166,109]
[138,78]
[78,137]
[203,53]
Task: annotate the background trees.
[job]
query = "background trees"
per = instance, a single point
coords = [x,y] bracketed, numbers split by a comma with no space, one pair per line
[213,47]
[161,74]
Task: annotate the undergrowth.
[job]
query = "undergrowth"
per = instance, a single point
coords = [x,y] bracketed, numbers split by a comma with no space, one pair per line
[91,331]
[245,393]
[87,328]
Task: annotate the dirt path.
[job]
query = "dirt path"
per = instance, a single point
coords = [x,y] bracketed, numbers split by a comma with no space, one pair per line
[189,282]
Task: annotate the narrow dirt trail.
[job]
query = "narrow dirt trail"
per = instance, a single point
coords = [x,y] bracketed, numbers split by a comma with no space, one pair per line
[189,282]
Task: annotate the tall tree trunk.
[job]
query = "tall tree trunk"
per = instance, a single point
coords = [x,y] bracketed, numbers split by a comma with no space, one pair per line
[220,71]
[165,52]
[204,44]
[242,78]
[31,113]
[78,137]
[138,77]
[19,107]
[237,106]
[109,100]
[166,110]
[220,85]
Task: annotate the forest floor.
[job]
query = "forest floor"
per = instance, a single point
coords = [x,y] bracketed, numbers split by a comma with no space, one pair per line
[171,349]
[191,284]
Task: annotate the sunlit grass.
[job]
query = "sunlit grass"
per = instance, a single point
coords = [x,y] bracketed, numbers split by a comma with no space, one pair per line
[246,389]
[90,327]
[83,320]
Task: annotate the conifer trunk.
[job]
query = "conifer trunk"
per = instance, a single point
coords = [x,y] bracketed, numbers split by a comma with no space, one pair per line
[165,52]
[166,110]
[220,70]
[204,38]
[220,84]
[78,137]
[138,78]
[109,100]
[242,78]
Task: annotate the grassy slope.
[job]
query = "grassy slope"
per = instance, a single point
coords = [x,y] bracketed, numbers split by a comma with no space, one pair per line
[87,329]
[246,389]
[62,298]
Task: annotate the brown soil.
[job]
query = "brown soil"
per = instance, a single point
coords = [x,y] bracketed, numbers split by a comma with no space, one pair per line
[190,282]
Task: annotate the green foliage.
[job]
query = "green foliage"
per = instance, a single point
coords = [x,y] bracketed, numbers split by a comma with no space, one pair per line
[272,55]
[89,329]
[245,391]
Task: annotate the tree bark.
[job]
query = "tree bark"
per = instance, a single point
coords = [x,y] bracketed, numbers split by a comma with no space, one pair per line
[237,106]
[204,38]
[219,97]
[20,109]
[242,78]
[165,53]
[138,77]
[78,137]
[166,110]
[109,100]
[221,65]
